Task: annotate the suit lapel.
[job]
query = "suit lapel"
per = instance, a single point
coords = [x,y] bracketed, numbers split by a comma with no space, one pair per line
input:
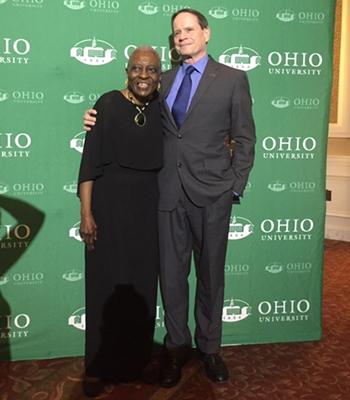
[166,85]
[208,77]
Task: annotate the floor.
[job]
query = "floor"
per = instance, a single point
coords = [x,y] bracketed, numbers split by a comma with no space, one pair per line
[293,371]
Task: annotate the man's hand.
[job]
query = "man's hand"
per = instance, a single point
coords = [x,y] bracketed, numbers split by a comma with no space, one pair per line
[88,231]
[89,119]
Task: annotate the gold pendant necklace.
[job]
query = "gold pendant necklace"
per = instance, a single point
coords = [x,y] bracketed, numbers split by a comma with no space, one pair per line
[140,118]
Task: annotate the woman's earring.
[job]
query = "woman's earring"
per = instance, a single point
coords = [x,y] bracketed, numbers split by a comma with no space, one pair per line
[159,86]
[126,82]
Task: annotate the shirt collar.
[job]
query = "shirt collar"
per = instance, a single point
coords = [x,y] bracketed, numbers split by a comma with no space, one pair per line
[199,65]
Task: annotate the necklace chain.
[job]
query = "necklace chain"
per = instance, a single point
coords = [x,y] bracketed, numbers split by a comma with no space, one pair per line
[140,118]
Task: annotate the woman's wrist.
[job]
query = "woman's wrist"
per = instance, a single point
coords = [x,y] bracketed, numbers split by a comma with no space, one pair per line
[85,213]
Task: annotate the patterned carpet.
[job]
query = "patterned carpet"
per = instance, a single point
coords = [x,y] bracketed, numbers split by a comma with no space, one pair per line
[294,371]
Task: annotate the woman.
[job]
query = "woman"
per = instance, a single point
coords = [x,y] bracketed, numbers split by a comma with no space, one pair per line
[119,195]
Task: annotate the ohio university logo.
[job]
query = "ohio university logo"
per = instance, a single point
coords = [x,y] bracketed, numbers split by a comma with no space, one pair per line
[101,6]
[287,229]
[235,310]
[148,8]
[284,311]
[218,12]
[239,228]
[278,186]
[237,14]
[4,279]
[4,95]
[14,236]
[23,188]
[159,317]
[4,188]
[151,8]
[76,97]
[22,96]
[274,268]
[77,319]
[75,5]
[77,143]
[15,145]
[303,17]
[14,326]
[167,56]
[289,148]
[237,269]
[295,63]
[23,278]
[243,58]
[14,50]
[71,187]
[73,275]
[74,232]
[25,3]
[93,52]
[290,267]
[297,103]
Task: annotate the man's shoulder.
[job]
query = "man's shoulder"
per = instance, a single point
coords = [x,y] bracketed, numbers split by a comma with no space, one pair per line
[170,72]
[225,69]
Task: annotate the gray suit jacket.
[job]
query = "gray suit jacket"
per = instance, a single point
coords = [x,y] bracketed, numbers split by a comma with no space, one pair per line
[195,156]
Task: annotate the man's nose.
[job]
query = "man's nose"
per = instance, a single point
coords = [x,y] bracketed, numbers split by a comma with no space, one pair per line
[181,36]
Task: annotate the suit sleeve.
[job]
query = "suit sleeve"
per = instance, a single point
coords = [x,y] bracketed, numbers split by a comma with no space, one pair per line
[243,133]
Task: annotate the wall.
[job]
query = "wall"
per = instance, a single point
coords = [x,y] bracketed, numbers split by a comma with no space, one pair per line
[57,57]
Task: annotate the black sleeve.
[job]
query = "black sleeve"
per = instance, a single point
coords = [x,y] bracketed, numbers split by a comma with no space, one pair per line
[91,162]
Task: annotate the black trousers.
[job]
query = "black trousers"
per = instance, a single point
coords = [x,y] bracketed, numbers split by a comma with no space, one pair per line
[203,230]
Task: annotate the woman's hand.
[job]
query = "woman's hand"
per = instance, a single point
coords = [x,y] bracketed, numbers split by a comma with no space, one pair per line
[88,230]
[89,119]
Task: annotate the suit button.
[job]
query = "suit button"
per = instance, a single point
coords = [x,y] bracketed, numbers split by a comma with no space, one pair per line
[179,164]
[179,136]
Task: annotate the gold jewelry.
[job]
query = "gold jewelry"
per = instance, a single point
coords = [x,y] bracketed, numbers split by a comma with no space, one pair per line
[140,118]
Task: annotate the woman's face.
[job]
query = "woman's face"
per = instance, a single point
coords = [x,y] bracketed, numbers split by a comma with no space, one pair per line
[143,73]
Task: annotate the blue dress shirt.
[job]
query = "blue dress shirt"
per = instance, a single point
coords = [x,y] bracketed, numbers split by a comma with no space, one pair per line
[195,78]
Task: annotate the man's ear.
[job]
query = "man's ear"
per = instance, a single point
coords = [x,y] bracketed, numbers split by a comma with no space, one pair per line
[207,34]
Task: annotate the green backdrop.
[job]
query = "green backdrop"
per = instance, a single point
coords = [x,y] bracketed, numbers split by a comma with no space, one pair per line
[56,59]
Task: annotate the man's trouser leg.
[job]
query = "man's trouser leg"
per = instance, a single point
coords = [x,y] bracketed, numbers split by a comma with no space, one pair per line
[205,230]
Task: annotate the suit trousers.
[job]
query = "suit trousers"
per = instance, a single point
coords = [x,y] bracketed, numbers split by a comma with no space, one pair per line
[203,230]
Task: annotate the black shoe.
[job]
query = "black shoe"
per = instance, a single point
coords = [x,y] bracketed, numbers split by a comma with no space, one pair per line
[171,366]
[93,388]
[215,367]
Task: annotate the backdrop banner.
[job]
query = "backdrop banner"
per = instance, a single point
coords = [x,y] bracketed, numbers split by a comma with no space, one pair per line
[58,57]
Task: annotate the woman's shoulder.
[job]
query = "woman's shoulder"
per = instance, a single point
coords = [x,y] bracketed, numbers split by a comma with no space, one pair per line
[108,99]
[109,96]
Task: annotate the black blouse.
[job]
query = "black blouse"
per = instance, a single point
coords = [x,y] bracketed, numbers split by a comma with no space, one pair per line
[116,138]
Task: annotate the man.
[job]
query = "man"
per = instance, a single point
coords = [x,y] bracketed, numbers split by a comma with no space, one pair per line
[205,105]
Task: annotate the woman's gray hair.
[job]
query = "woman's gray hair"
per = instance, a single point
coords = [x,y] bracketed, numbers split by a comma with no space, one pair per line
[147,49]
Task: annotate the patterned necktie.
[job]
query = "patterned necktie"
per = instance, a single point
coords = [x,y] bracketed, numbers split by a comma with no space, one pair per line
[182,97]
